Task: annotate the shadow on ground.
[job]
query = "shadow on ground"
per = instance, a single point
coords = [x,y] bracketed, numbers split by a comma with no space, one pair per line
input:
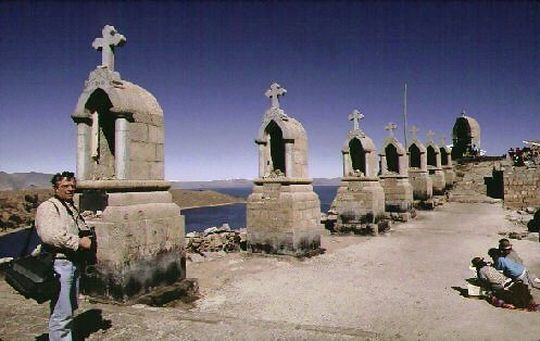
[86,324]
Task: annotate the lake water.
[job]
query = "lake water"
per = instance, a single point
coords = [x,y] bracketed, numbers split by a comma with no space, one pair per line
[197,219]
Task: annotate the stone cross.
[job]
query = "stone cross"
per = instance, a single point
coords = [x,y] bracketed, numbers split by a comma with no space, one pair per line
[274,92]
[111,38]
[443,140]
[356,116]
[391,127]
[430,135]
[414,131]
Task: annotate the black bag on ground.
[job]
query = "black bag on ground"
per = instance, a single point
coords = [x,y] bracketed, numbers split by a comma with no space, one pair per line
[33,277]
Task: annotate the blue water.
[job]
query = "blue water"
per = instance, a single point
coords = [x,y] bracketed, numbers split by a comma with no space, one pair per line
[197,219]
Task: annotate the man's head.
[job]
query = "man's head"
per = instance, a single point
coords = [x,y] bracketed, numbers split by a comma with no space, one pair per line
[505,246]
[64,185]
[494,253]
[478,262]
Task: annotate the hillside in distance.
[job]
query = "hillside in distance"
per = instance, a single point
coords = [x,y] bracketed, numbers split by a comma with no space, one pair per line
[18,181]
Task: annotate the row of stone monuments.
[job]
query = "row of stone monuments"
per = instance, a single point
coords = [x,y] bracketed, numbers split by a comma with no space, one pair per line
[140,231]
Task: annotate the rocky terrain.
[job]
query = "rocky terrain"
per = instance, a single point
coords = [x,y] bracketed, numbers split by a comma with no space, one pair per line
[18,207]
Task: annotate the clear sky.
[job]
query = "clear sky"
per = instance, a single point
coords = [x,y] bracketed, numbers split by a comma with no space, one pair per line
[209,64]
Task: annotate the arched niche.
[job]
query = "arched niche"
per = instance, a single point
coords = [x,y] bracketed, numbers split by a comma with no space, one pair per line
[276,149]
[414,156]
[392,158]
[103,138]
[358,155]
[431,156]
[444,156]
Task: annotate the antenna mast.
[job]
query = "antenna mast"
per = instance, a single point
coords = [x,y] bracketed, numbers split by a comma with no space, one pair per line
[405,114]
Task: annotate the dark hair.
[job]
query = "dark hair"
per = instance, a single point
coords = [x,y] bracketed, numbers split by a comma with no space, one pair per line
[59,176]
[493,252]
[504,240]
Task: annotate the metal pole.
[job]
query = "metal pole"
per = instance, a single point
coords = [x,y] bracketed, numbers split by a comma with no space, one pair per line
[405,115]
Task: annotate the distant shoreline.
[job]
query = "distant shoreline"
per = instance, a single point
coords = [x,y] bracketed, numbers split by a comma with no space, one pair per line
[212,205]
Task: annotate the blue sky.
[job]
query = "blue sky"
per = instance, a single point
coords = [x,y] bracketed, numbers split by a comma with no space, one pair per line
[209,64]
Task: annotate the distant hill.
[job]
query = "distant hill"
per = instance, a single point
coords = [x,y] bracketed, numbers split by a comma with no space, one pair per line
[17,181]
[236,183]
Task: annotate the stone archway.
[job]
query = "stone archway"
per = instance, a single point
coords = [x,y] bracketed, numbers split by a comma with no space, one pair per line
[103,134]
[358,155]
[392,158]
[277,147]
[431,157]
[444,157]
[414,156]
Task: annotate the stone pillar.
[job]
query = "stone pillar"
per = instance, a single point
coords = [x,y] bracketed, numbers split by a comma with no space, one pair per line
[121,160]
[262,161]
[384,166]
[289,159]
[83,160]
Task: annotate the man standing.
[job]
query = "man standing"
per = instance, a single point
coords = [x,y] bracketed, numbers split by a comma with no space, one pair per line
[58,224]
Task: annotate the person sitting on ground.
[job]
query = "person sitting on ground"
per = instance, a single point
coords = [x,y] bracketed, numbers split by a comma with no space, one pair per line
[502,291]
[505,247]
[511,269]
[489,277]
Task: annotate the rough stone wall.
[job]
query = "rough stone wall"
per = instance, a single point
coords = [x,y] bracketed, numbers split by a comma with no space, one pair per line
[521,187]
[146,149]
[283,219]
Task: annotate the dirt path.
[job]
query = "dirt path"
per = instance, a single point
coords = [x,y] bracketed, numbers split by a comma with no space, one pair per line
[403,285]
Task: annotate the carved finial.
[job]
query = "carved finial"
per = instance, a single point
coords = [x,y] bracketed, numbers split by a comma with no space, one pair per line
[111,38]
[390,127]
[443,140]
[414,131]
[274,92]
[356,116]
[430,135]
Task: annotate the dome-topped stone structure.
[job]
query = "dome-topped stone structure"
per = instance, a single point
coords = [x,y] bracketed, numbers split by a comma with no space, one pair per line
[360,196]
[283,212]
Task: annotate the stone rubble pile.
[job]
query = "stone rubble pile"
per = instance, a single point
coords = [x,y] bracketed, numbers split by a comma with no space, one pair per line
[215,239]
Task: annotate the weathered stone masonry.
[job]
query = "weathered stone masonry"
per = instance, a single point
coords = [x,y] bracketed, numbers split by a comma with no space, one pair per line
[521,187]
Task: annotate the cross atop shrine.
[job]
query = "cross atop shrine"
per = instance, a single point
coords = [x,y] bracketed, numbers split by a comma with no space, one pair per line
[430,135]
[274,92]
[390,127]
[414,132]
[443,140]
[111,38]
[356,116]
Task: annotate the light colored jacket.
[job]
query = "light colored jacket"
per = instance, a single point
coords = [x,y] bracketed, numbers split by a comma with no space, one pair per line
[57,227]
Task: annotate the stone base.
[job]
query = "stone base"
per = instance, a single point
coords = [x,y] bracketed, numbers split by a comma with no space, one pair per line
[398,193]
[422,184]
[140,245]
[358,200]
[283,218]
[449,176]
[438,180]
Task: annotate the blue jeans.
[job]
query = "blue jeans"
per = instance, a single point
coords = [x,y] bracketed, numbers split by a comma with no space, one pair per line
[64,305]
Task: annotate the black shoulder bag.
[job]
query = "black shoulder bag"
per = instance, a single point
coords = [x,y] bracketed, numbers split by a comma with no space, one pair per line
[33,276]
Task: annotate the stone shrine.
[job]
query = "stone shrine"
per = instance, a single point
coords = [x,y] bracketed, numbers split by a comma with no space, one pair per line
[418,172]
[446,163]
[466,137]
[121,186]
[283,212]
[360,196]
[398,191]
[434,166]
